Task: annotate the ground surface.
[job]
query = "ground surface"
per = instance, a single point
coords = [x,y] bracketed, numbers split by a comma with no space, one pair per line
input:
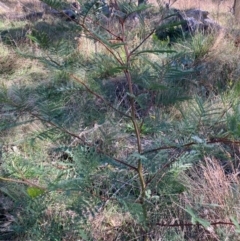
[26,6]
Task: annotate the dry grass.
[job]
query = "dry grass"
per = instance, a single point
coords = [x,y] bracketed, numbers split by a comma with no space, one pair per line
[207,5]
[213,194]
[107,225]
[9,62]
[22,6]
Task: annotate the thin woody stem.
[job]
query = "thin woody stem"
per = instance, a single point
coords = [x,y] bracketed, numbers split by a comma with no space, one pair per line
[97,95]
[135,124]
[24,181]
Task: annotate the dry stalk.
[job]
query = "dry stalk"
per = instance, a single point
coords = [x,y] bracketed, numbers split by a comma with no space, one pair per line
[213,193]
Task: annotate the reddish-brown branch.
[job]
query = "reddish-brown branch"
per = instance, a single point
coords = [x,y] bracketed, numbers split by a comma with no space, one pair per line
[98,39]
[212,141]
[192,224]
[161,170]
[98,96]
[24,181]
[148,36]
[82,140]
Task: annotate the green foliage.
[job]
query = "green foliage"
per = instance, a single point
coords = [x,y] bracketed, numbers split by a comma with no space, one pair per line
[201,45]
[170,31]
[113,128]
[41,39]
[233,122]
[236,224]
[56,4]
[196,219]
[34,191]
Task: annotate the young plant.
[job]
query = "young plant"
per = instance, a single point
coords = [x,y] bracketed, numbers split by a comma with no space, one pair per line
[105,117]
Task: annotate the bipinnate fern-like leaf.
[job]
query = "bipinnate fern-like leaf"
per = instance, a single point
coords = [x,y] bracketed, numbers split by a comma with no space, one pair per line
[55,4]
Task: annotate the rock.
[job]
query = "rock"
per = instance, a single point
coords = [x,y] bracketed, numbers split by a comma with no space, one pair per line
[185,22]
[69,14]
[76,7]
[198,20]
[197,14]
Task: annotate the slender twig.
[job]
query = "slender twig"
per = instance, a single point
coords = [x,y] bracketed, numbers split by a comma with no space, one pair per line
[94,36]
[100,25]
[24,181]
[221,116]
[212,141]
[175,225]
[216,140]
[135,124]
[167,147]
[161,170]
[75,135]
[130,88]
[149,35]
[141,43]
[97,95]
[193,224]
[91,91]
[83,141]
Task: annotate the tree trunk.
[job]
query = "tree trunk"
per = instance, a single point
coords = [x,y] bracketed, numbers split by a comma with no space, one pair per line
[236,9]
[141,1]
